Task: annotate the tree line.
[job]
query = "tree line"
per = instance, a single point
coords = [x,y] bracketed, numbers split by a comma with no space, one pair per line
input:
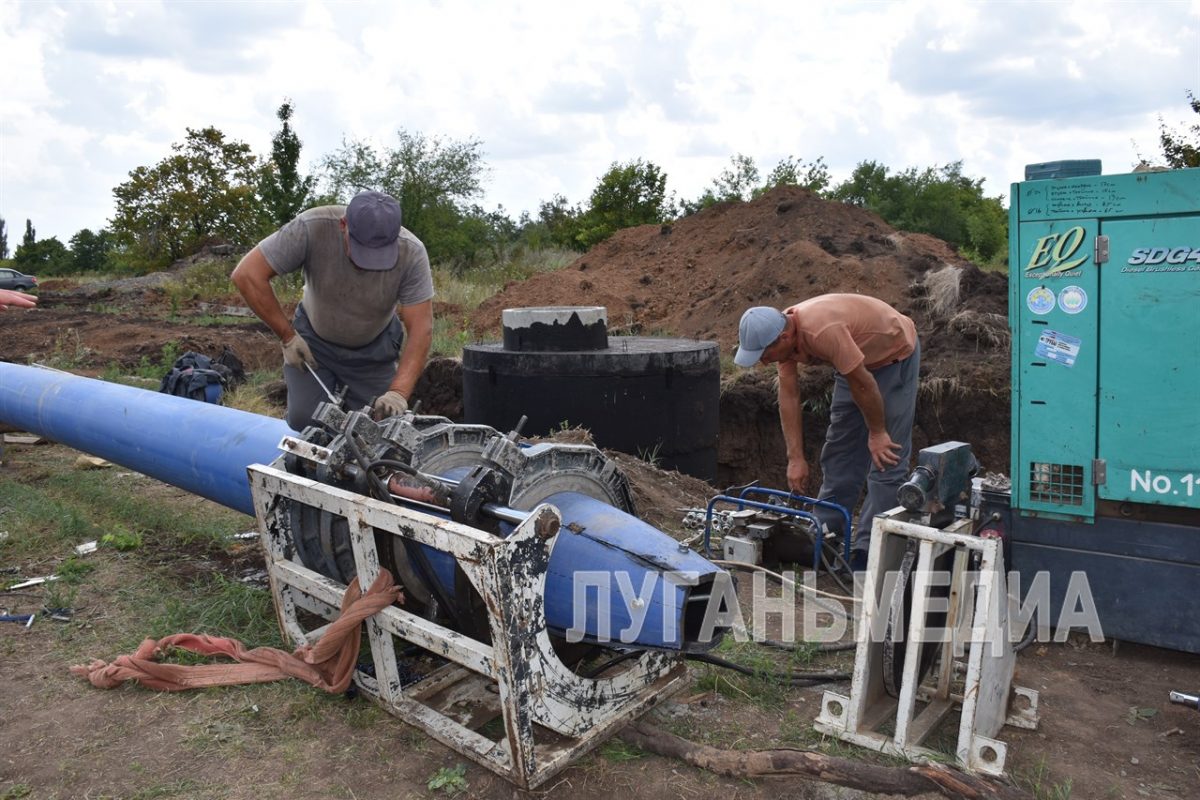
[212,189]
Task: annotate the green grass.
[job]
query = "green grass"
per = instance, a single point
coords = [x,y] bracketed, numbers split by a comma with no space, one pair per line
[146,371]
[450,780]
[469,288]
[219,606]
[764,689]
[69,351]
[619,750]
[252,395]
[450,335]
[1037,781]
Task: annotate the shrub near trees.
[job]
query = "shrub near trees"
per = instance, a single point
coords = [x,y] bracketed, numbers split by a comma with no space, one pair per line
[634,193]
[940,201]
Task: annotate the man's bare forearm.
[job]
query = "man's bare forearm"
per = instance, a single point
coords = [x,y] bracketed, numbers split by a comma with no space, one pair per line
[252,277]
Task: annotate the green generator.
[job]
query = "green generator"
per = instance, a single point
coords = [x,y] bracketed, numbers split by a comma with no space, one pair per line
[1104,309]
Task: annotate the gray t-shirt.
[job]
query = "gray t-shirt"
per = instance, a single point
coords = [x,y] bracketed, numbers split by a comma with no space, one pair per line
[346,305]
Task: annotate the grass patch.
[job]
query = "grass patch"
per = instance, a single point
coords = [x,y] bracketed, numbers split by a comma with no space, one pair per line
[104,496]
[764,688]
[252,395]
[451,333]
[183,787]
[222,607]
[69,351]
[620,751]
[1037,781]
[450,780]
[469,288]
[147,371]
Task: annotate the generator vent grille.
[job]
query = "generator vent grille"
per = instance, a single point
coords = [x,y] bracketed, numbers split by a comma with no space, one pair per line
[1056,483]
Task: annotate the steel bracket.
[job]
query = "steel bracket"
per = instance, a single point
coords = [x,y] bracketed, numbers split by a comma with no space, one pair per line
[551,716]
[974,671]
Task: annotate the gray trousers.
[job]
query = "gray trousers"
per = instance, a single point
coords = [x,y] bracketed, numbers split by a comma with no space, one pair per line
[366,371]
[845,459]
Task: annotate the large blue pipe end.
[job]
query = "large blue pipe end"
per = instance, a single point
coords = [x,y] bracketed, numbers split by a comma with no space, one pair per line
[199,447]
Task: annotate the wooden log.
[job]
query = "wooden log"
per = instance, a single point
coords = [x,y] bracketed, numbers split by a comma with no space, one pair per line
[789,762]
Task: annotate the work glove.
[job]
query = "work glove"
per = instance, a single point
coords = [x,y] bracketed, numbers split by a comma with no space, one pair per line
[296,353]
[388,404]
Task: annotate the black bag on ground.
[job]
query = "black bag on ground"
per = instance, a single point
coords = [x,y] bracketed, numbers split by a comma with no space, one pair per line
[230,360]
[196,377]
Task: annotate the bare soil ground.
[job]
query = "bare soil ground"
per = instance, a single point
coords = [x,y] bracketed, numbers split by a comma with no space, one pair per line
[1107,730]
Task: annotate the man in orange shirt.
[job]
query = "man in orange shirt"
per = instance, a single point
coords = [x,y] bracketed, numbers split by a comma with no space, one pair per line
[877,355]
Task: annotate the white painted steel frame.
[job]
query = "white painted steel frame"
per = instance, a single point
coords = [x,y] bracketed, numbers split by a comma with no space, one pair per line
[988,664]
[531,685]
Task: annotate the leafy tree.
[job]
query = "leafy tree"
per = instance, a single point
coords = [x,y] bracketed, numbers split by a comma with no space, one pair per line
[472,236]
[30,237]
[940,201]
[1182,149]
[3,239]
[205,190]
[627,195]
[433,178]
[284,192]
[558,223]
[89,251]
[45,257]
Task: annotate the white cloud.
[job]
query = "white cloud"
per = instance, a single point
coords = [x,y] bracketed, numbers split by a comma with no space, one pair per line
[556,92]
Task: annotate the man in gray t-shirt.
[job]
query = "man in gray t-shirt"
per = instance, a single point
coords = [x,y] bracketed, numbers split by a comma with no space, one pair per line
[360,268]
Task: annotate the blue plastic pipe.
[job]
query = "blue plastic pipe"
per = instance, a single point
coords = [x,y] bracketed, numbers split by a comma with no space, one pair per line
[200,447]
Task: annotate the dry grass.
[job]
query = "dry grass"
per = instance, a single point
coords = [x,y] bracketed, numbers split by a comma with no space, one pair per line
[988,330]
[940,390]
[943,290]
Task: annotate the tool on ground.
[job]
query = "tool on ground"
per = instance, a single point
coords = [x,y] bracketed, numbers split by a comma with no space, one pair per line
[1189,700]
[24,619]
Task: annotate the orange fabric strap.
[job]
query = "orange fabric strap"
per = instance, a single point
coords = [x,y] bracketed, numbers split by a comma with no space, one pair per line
[327,664]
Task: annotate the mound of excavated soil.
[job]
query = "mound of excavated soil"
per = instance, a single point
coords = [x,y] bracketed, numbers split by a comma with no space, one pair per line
[694,279]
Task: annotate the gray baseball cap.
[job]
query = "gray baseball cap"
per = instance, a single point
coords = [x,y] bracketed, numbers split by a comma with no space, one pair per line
[373,221]
[759,328]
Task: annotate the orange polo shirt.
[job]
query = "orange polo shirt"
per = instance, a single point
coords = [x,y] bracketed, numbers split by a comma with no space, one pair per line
[846,330]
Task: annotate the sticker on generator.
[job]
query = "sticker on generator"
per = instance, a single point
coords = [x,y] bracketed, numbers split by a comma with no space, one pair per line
[1072,299]
[1040,300]
[1058,347]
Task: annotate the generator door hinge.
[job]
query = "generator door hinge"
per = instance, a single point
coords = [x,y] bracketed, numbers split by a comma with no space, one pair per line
[1099,472]
[1101,254]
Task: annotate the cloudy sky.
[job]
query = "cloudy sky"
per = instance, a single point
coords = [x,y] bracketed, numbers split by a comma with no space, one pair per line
[557,91]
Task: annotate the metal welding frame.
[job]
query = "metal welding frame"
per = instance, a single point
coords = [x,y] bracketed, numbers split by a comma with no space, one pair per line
[975,643]
[551,715]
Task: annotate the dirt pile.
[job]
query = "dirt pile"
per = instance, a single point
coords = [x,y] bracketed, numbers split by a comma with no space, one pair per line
[694,279]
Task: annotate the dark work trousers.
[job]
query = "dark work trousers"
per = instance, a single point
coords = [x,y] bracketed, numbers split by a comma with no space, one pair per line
[845,459]
[366,371]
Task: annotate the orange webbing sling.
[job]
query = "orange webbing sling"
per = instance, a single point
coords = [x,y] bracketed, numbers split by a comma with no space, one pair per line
[327,664]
